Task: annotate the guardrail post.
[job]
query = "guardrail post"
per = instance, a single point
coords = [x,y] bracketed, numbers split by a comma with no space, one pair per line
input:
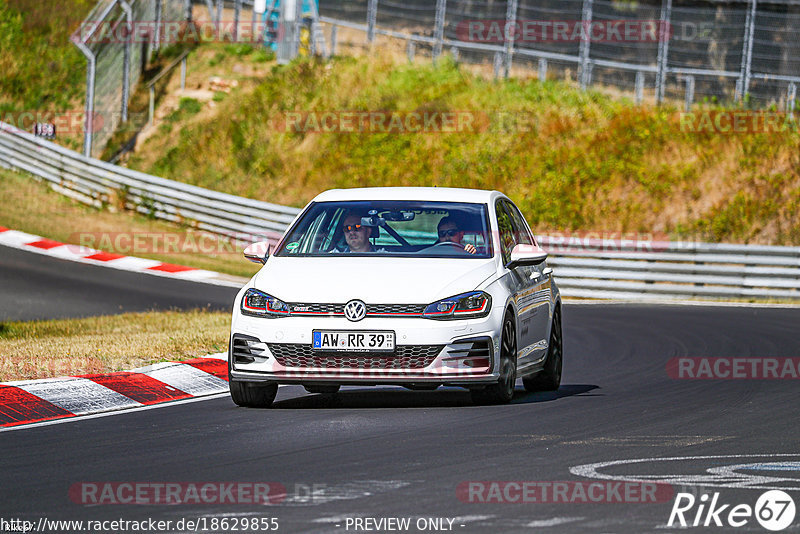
[372,18]
[333,40]
[220,5]
[511,24]
[455,53]
[438,30]
[639,87]
[542,70]
[586,44]
[743,85]
[689,96]
[664,32]
[791,95]
[497,64]
[410,50]
[187,10]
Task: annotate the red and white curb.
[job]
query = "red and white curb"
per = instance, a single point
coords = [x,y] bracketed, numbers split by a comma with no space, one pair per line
[48,247]
[35,401]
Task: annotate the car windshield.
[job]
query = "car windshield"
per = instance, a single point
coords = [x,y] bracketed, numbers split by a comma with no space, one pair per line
[391,228]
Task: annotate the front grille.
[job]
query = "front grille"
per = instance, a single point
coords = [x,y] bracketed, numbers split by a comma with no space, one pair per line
[373,310]
[391,309]
[404,357]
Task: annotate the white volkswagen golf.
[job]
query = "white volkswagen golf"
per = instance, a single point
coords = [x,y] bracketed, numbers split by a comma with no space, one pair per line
[417,287]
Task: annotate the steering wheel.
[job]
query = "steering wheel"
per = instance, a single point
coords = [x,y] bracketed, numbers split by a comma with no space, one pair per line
[451,243]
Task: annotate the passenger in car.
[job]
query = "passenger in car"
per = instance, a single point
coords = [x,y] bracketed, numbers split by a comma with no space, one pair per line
[449,230]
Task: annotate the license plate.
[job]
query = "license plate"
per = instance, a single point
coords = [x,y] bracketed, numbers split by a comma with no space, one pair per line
[352,341]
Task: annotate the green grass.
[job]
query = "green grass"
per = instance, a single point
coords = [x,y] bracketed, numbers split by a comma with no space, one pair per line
[41,69]
[573,160]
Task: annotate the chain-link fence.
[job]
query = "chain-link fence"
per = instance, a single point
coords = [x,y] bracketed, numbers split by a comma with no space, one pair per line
[717,51]
[117,38]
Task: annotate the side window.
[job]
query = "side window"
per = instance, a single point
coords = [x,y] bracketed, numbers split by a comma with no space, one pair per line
[521,230]
[506,227]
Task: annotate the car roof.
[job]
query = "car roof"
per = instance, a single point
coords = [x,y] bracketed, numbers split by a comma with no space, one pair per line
[443,194]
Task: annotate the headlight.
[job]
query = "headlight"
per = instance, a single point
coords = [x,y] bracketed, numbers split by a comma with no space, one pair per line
[260,304]
[465,306]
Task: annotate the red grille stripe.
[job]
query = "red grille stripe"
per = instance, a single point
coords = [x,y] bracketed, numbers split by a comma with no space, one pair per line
[139,387]
[45,244]
[218,368]
[18,407]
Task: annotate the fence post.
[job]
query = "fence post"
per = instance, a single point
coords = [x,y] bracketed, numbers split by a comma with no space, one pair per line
[157,36]
[664,31]
[639,87]
[183,74]
[511,24]
[689,97]
[586,43]
[152,108]
[410,49]
[237,15]
[187,10]
[747,51]
[438,31]
[126,59]
[333,39]
[791,95]
[372,19]
[542,69]
[90,82]
[220,5]
[497,64]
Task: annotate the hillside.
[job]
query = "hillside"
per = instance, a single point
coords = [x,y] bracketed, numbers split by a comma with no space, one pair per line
[574,161]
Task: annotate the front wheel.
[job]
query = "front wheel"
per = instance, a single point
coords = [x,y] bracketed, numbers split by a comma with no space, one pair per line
[253,394]
[549,378]
[503,391]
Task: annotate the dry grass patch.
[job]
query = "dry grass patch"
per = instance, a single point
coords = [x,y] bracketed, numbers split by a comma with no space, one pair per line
[31,206]
[44,349]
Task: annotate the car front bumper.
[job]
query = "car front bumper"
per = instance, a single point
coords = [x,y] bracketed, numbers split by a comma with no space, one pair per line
[428,352]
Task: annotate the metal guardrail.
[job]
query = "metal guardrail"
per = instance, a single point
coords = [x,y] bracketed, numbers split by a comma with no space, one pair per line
[584,268]
[99,183]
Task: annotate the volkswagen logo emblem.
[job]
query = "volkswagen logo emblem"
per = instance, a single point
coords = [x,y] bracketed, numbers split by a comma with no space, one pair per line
[355,310]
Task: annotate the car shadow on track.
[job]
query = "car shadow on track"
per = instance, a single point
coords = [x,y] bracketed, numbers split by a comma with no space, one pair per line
[401,398]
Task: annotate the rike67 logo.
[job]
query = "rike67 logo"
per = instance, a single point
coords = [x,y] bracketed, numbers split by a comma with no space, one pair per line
[774,510]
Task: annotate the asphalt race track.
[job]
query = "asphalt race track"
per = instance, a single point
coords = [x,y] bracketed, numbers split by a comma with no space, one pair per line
[41,287]
[390,453]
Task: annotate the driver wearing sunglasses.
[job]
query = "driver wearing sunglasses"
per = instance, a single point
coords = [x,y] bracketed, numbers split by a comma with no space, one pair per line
[357,235]
[448,230]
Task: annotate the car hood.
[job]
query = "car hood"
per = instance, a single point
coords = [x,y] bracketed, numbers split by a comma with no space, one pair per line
[373,280]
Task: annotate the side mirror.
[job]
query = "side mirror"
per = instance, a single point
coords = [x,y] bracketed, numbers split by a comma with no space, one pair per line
[258,252]
[526,255]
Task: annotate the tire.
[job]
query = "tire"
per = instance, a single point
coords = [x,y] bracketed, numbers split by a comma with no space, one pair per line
[549,378]
[253,394]
[503,391]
